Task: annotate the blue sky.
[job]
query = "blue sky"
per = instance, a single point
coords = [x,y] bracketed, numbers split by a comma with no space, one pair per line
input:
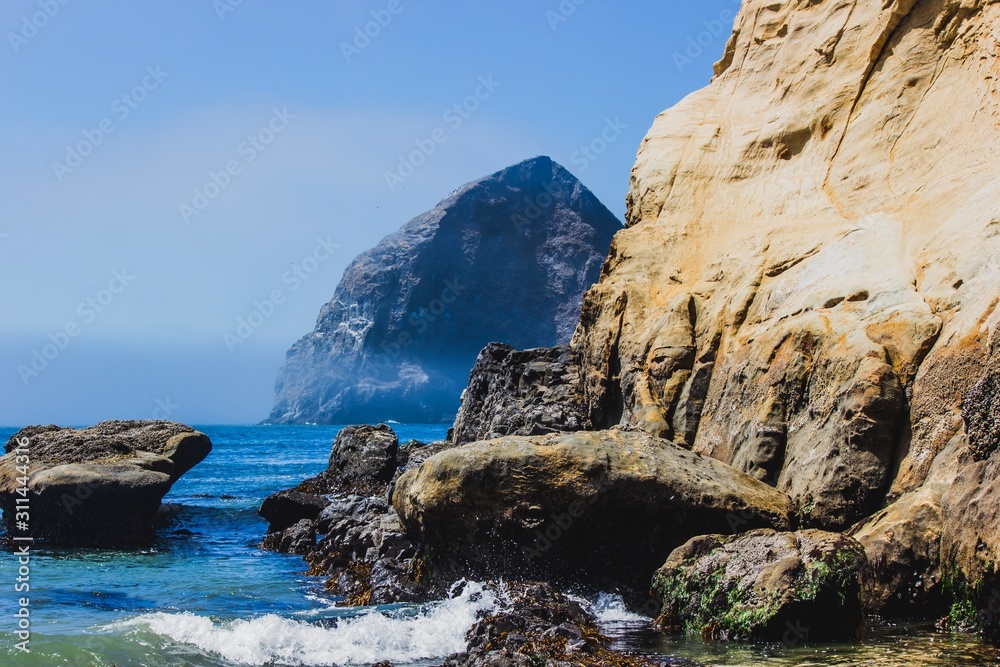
[166,167]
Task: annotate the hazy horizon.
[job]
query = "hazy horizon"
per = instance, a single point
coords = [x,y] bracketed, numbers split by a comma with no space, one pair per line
[167,168]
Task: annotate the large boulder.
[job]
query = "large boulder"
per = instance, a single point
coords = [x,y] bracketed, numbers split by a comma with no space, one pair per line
[512,392]
[505,258]
[764,585]
[99,486]
[902,544]
[598,509]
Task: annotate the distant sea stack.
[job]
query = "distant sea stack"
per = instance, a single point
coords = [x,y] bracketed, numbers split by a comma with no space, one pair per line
[506,258]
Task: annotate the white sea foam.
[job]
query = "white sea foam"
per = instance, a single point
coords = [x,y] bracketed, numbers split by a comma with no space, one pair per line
[433,631]
[610,610]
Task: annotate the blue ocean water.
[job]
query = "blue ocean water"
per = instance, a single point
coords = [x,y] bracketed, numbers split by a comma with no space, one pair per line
[203,576]
[205,595]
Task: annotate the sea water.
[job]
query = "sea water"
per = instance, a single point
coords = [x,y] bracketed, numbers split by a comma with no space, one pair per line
[205,595]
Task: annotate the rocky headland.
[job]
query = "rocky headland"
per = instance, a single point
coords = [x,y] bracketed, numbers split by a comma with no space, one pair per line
[504,258]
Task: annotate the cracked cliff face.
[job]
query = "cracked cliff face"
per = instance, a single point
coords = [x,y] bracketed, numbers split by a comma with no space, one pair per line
[808,278]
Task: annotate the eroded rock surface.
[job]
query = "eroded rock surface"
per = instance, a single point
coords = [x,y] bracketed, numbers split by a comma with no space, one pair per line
[530,392]
[807,287]
[99,486]
[764,585]
[595,509]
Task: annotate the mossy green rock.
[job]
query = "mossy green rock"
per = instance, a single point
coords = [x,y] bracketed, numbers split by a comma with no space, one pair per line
[764,585]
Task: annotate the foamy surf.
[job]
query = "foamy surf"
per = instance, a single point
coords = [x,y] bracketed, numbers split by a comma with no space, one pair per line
[610,609]
[432,631]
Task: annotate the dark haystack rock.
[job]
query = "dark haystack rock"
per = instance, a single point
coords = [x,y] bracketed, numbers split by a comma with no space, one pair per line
[506,258]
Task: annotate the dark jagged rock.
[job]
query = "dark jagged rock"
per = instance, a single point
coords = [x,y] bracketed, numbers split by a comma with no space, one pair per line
[981,413]
[286,508]
[99,486]
[364,460]
[529,392]
[365,554]
[364,454]
[599,510]
[299,538]
[764,585]
[505,258]
[341,522]
[538,625]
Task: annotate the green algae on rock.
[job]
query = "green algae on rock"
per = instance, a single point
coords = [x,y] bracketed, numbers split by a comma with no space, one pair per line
[763,585]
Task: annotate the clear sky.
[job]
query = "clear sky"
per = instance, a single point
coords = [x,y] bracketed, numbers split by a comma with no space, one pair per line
[166,165]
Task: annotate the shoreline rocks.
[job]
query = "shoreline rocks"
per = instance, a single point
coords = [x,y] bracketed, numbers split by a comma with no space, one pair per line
[803,309]
[342,524]
[764,586]
[600,510]
[539,625]
[99,486]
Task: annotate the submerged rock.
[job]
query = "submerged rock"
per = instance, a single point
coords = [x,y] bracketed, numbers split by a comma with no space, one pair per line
[596,509]
[539,625]
[99,486]
[764,585]
[505,258]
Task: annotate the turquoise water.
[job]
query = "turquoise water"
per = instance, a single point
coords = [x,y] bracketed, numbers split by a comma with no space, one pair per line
[203,574]
[204,595]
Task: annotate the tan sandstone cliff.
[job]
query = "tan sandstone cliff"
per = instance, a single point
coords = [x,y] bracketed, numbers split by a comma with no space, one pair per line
[807,290]
[811,269]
